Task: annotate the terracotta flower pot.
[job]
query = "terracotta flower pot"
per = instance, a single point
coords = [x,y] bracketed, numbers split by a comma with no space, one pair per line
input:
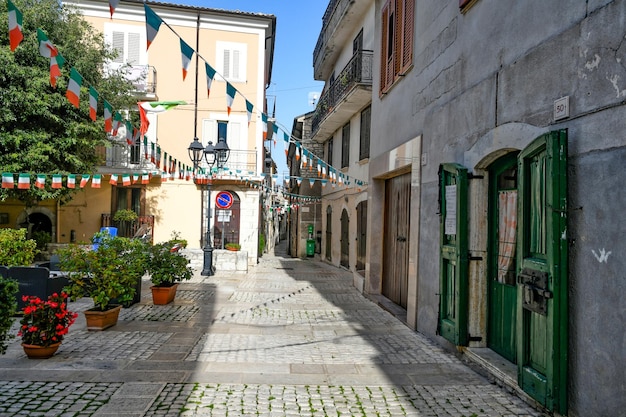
[40,352]
[163,295]
[100,320]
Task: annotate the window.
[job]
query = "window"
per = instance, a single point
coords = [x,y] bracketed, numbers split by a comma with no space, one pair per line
[231,60]
[364,144]
[135,150]
[396,41]
[345,145]
[128,42]
[329,152]
[357,43]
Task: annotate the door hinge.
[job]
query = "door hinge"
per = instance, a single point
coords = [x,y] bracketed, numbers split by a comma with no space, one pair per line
[474,258]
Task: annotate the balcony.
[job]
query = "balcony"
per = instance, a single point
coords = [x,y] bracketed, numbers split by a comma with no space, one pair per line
[350,91]
[143,78]
[242,162]
[122,158]
[338,23]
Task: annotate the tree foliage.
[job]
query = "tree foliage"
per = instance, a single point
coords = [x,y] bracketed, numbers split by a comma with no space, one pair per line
[40,130]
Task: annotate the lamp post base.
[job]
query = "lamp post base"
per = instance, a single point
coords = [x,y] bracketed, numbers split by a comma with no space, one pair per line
[207,266]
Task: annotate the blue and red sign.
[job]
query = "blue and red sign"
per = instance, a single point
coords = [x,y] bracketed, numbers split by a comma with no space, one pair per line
[224,200]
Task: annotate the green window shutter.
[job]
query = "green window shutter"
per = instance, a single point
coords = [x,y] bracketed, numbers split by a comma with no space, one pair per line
[453,271]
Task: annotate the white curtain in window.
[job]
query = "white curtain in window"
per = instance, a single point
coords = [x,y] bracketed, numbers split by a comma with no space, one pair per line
[507,236]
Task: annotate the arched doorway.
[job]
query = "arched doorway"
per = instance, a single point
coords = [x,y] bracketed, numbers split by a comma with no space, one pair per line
[37,220]
[226,223]
[501,249]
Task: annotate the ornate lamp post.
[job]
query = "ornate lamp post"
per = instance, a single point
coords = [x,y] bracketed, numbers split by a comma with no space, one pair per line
[212,154]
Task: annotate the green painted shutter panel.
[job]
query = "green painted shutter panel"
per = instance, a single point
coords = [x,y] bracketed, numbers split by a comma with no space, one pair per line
[453,285]
[542,270]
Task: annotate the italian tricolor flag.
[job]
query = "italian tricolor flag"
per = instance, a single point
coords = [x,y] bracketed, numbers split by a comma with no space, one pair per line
[57,181]
[210,74]
[145,178]
[230,96]
[108,116]
[153,23]
[71,181]
[97,179]
[56,63]
[93,103]
[40,182]
[7,180]
[73,88]
[84,180]
[264,120]
[126,179]
[15,26]
[23,181]
[113,180]
[187,54]
[112,5]
[249,108]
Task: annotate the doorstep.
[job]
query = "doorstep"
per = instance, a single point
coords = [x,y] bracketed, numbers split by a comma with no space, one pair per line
[500,370]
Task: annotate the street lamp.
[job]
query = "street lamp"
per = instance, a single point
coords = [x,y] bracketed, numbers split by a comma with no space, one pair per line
[212,154]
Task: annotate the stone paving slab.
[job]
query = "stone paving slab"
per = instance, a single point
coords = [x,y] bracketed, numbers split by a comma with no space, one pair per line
[289,338]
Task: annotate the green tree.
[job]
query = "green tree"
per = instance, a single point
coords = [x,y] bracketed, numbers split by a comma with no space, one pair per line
[40,130]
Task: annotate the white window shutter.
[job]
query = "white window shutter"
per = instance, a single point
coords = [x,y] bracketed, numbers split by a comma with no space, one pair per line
[133,56]
[236,74]
[118,44]
[226,72]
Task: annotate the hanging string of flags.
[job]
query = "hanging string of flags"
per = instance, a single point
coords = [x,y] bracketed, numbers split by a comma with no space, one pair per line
[113,120]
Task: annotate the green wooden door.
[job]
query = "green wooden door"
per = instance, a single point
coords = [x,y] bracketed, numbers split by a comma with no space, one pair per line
[542,271]
[502,266]
[453,286]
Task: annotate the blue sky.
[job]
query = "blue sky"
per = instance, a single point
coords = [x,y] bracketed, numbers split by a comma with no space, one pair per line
[298,25]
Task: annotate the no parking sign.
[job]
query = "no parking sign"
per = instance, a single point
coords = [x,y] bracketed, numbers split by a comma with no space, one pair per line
[224,200]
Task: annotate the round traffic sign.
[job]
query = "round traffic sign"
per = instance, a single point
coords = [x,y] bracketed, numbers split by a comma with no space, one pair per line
[224,200]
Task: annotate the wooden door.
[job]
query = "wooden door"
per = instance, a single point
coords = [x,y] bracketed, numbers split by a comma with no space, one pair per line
[501,250]
[542,271]
[453,286]
[395,281]
[345,239]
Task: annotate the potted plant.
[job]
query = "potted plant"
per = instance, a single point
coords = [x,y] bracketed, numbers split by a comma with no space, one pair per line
[44,324]
[167,267]
[232,246]
[107,274]
[124,219]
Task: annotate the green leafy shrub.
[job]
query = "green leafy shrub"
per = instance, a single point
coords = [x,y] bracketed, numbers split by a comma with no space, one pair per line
[166,266]
[8,307]
[125,215]
[15,249]
[42,239]
[108,273]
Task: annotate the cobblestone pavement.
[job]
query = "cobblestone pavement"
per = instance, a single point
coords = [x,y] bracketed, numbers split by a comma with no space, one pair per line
[289,338]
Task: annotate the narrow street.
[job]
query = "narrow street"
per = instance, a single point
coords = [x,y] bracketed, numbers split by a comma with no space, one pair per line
[289,338]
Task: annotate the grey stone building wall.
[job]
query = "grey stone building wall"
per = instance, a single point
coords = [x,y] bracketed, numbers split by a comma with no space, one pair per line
[499,68]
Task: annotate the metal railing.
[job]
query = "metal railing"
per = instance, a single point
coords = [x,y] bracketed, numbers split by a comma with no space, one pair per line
[357,72]
[330,20]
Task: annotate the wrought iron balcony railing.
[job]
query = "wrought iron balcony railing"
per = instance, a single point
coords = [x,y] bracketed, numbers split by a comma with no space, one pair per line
[330,20]
[357,73]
